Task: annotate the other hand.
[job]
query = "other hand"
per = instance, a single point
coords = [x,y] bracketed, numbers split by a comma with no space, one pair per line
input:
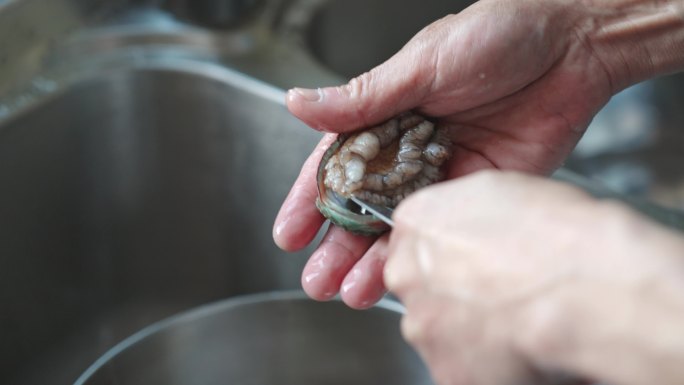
[517,277]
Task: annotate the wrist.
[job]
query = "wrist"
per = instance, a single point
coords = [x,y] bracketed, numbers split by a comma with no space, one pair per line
[635,40]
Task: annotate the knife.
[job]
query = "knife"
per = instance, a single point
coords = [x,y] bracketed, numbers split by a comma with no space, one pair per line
[382,213]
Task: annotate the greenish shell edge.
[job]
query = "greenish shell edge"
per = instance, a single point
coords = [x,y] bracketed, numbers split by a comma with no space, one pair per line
[358,224]
[373,227]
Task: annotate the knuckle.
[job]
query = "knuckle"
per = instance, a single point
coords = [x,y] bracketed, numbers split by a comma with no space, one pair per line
[618,221]
[488,178]
[411,329]
[358,87]
[420,324]
[549,332]
[395,277]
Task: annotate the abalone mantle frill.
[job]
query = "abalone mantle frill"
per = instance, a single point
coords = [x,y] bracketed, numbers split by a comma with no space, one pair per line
[380,165]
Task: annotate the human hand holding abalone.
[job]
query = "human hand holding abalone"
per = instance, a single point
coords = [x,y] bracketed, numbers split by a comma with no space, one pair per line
[510,85]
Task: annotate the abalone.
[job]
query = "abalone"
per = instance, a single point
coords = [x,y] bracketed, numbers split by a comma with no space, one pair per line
[380,165]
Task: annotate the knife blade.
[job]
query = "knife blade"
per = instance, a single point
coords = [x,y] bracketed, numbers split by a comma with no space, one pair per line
[382,213]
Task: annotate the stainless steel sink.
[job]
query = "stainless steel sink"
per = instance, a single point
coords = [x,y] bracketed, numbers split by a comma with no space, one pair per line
[133,195]
[635,144]
[353,36]
[139,173]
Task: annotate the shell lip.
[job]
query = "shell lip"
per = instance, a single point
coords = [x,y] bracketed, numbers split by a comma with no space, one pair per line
[346,213]
[341,210]
[398,157]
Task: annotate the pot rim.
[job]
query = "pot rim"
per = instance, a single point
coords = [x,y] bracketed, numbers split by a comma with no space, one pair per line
[206,310]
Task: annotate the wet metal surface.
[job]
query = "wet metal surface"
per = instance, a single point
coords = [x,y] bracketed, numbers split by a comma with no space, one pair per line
[281,338]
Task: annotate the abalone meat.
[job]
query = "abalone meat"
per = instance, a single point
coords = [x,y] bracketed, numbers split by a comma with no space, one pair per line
[380,165]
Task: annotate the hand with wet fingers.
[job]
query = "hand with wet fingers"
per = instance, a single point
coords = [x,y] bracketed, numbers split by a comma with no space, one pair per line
[506,92]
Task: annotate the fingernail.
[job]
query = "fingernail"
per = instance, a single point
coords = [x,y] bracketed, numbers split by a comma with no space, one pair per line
[411,329]
[394,276]
[310,95]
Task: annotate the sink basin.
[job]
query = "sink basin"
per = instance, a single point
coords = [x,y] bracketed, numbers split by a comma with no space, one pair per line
[634,145]
[272,338]
[134,195]
[352,36]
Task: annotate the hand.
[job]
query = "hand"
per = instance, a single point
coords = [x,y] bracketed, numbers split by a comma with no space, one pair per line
[516,82]
[516,276]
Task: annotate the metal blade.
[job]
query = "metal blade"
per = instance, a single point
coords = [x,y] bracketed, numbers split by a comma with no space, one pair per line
[382,213]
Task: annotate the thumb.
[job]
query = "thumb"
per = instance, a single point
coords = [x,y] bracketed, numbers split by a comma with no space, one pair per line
[393,87]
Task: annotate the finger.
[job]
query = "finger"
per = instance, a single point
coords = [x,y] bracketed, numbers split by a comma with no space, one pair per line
[395,86]
[298,220]
[363,286]
[401,268]
[329,264]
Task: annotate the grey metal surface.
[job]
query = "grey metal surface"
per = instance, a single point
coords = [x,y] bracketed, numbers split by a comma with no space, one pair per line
[30,29]
[154,186]
[353,36]
[280,338]
[214,13]
[635,145]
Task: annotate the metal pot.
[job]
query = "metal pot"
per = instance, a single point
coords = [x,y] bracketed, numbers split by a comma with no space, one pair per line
[274,338]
